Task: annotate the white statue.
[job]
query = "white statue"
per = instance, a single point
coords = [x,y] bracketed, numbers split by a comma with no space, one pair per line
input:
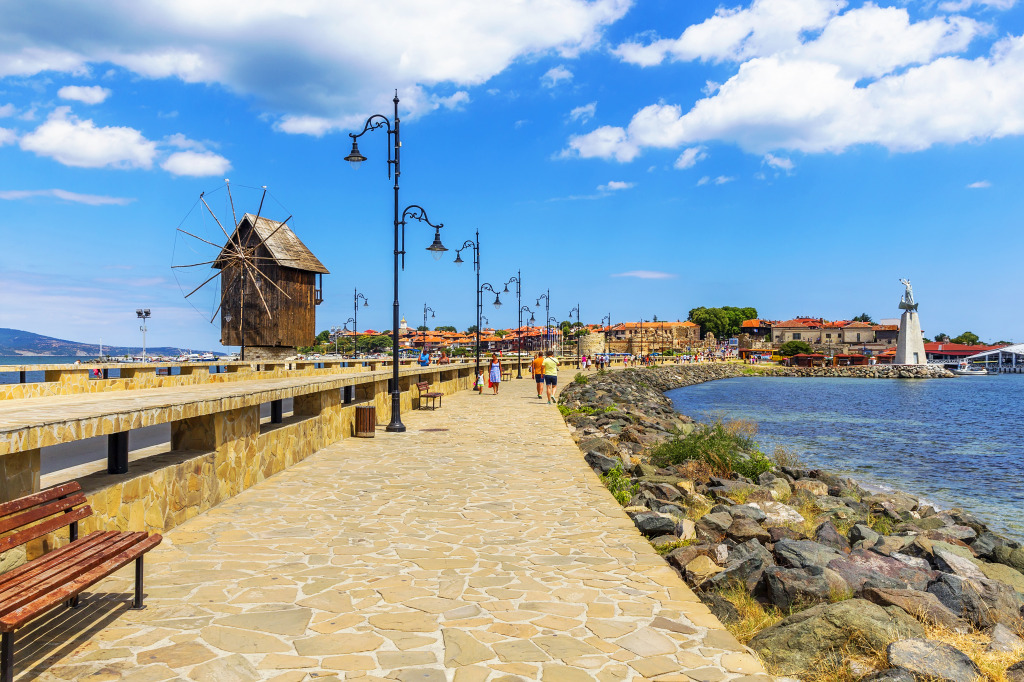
[907,302]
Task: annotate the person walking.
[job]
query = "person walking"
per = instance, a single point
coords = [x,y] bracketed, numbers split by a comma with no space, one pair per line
[551,374]
[494,377]
[424,357]
[537,369]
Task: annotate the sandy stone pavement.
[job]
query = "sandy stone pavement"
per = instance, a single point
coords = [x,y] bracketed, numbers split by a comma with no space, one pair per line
[476,546]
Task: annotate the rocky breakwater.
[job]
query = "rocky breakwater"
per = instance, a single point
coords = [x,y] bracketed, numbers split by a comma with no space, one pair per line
[819,576]
[872,372]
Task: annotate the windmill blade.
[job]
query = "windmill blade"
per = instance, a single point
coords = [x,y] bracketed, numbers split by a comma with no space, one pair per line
[214,316]
[199,238]
[274,283]
[258,291]
[192,265]
[255,222]
[226,235]
[203,284]
[264,240]
[234,216]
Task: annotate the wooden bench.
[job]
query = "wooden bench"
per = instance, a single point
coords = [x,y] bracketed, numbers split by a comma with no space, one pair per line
[59,576]
[425,393]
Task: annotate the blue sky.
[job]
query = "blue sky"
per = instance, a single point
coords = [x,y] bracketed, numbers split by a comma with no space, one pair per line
[637,157]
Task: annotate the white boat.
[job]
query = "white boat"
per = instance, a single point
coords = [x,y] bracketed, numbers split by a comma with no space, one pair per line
[966,369]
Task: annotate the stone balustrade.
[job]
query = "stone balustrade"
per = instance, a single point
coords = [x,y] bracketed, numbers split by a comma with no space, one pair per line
[219,444]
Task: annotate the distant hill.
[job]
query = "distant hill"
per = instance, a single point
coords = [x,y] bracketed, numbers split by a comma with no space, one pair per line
[18,342]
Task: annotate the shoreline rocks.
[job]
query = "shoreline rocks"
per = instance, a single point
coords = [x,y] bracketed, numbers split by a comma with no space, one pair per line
[840,559]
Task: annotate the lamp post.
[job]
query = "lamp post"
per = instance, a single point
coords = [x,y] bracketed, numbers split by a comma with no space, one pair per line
[577,311]
[547,326]
[518,279]
[607,322]
[425,310]
[144,314]
[336,332]
[415,212]
[526,309]
[547,314]
[355,318]
[480,319]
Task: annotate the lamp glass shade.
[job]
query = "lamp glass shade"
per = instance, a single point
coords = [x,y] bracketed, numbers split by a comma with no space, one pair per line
[355,157]
[497,302]
[437,249]
[458,258]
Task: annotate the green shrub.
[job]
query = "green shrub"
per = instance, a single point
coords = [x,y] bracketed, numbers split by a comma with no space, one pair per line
[580,378]
[620,486]
[795,348]
[564,410]
[726,447]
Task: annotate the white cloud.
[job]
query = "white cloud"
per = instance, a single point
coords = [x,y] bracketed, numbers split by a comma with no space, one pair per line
[454,101]
[305,76]
[583,113]
[179,141]
[555,75]
[690,157]
[7,110]
[868,76]
[980,184]
[645,274]
[720,180]
[7,136]
[75,142]
[961,5]
[780,162]
[615,185]
[88,94]
[196,164]
[89,199]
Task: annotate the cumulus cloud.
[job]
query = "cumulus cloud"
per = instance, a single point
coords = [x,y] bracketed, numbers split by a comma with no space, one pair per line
[961,5]
[7,136]
[779,162]
[818,80]
[720,180]
[88,199]
[74,142]
[87,94]
[196,164]
[7,110]
[690,157]
[307,79]
[645,274]
[615,185]
[980,184]
[555,75]
[583,113]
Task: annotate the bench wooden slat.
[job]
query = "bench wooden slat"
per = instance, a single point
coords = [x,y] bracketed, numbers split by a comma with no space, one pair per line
[27,570]
[41,511]
[41,529]
[66,573]
[45,566]
[15,506]
[16,619]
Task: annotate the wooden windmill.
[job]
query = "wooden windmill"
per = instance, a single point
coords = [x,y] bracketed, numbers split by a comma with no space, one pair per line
[270,285]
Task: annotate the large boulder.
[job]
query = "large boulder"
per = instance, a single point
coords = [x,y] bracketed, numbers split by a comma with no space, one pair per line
[983,602]
[1003,639]
[600,462]
[815,488]
[803,553]
[798,644]
[744,528]
[1004,574]
[777,514]
[930,660]
[700,569]
[924,606]
[712,527]
[827,534]
[866,568]
[789,587]
[1010,557]
[947,562]
[863,533]
[654,523]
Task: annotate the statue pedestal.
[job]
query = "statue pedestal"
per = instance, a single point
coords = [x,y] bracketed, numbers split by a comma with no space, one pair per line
[910,342]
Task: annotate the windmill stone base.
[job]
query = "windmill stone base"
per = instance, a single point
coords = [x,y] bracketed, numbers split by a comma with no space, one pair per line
[269,353]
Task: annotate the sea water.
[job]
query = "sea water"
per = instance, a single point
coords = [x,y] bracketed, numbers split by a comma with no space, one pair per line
[954,442]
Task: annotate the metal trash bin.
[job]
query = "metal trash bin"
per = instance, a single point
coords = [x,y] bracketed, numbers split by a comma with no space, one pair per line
[366,421]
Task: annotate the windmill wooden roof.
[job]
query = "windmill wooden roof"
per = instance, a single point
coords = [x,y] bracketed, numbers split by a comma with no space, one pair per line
[284,245]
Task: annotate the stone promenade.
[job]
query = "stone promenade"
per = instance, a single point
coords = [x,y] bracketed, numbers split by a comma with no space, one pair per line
[476,546]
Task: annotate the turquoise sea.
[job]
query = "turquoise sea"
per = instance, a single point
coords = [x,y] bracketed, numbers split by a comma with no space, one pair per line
[954,442]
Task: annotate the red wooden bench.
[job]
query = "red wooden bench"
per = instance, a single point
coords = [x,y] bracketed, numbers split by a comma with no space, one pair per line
[58,576]
[425,393]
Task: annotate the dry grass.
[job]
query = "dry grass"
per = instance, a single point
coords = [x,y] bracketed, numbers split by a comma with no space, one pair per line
[754,617]
[810,511]
[786,457]
[744,428]
[993,664]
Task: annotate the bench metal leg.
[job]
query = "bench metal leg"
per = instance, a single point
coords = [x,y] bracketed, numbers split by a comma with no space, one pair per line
[7,658]
[117,453]
[137,602]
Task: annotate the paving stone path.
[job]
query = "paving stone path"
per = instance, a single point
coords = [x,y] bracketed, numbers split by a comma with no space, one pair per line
[476,546]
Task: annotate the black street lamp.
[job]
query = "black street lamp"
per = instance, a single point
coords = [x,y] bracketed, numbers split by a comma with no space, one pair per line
[355,318]
[415,212]
[547,314]
[607,322]
[526,309]
[549,325]
[425,310]
[577,311]
[518,279]
[480,319]
[475,245]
